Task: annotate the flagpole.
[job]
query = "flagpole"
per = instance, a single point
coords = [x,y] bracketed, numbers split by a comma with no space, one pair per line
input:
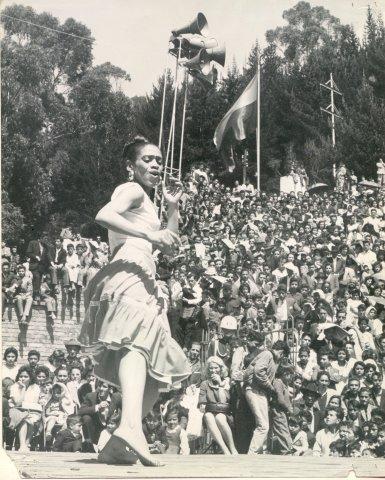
[258,130]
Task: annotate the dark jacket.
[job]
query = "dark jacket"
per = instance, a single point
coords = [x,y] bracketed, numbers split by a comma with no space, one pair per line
[61,258]
[34,251]
[91,399]
[66,441]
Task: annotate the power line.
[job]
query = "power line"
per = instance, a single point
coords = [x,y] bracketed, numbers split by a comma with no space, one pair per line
[48,28]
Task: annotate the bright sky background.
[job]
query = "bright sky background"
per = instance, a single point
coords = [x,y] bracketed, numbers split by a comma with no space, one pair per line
[133,34]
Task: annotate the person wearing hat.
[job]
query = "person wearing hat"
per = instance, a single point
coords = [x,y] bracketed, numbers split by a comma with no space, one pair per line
[258,385]
[223,346]
[73,348]
[309,404]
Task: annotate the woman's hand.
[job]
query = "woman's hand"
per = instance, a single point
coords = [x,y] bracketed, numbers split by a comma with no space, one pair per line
[165,240]
[172,192]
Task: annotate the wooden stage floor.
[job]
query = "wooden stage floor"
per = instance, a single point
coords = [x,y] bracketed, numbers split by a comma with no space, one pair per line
[81,466]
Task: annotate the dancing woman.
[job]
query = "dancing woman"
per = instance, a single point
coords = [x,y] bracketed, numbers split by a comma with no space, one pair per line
[125,320]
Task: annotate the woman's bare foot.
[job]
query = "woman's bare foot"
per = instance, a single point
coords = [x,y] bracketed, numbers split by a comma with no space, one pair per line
[137,442]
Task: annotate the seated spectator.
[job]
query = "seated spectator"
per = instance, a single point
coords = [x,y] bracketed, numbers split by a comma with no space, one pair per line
[112,425]
[39,260]
[72,267]
[214,401]
[56,360]
[73,348]
[33,359]
[70,438]
[47,295]
[10,367]
[61,375]
[152,426]
[299,439]
[96,409]
[8,285]
[58,258]
[23,295]
[329,434]
[57,410]
[75,382]
[173,437]
[25,410]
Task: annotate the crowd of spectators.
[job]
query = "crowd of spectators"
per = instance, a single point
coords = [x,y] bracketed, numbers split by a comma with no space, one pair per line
[279,303]
[34,277]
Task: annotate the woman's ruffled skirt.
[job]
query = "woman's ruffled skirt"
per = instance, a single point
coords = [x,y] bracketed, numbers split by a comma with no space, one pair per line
[125,310]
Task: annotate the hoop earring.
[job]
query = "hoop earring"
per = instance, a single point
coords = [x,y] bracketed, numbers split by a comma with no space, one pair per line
[130,173]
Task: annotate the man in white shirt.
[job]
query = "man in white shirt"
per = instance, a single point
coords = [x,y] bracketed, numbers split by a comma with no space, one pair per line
[329,434]
[367,256]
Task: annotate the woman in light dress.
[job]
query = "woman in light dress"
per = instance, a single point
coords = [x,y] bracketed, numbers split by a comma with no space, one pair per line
[125,321]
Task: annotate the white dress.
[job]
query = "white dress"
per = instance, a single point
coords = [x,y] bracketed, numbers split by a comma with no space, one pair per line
[125,308]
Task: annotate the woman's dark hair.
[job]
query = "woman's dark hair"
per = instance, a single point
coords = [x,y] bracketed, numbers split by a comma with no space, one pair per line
[78,366]
[27,369]
[323,372]
[11,350]
[44,369]
[131,149]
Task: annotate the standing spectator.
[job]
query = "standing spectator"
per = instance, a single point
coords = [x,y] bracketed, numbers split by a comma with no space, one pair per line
[39,261]
[281,408]
[259,387]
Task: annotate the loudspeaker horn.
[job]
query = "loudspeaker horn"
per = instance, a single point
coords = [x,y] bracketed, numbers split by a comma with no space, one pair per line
[217,54]
[199,41]
[199,25]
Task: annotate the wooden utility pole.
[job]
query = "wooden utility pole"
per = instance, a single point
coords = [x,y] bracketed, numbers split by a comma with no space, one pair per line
[258,131]
[332,110]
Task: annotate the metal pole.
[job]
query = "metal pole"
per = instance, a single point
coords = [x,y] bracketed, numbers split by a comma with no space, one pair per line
[174,106]
[258,132]
[183,124]
[172,127]
[163,105]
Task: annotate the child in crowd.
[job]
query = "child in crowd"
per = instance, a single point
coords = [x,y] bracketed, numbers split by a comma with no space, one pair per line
[299,439]
[152,428]
[70,438]
[112,425]
[56,410]
[173,436]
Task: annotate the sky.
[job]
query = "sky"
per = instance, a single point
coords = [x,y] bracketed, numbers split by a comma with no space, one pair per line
[133,34]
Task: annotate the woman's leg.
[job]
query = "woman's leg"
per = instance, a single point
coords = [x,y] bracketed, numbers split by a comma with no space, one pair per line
[227,434]
[27,307]
[151,395]
[132,377]
[25,434]
[49,424]
[215,432]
